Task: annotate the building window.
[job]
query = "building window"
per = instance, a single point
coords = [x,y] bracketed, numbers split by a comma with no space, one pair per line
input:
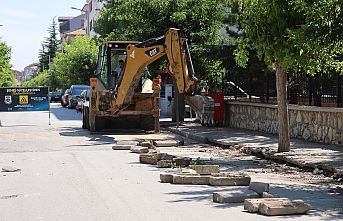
[90,26]
[90,6]
[83,23]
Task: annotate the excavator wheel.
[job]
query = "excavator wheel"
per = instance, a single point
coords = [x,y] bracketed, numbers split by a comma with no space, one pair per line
[96,124]
[147,122]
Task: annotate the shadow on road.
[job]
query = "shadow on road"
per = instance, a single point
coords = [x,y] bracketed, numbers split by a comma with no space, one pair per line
[64,114]
[324,205]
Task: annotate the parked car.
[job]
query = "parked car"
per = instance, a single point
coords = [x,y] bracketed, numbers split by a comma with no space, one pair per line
[64,99]
[75,91]
[82,99]
[55,96]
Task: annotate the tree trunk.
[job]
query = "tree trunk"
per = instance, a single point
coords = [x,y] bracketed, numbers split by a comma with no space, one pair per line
[283,124]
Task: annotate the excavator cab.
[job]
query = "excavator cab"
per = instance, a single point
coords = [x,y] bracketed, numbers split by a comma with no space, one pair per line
[110,53]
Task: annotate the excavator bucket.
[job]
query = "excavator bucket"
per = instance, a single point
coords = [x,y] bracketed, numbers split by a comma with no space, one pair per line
[203,107]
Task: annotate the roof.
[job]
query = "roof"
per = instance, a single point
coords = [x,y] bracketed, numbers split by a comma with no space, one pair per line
[64,18]
[76,32]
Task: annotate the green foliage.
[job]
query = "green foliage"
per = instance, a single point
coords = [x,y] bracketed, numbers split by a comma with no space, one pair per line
[76,64]
[139,20]
[173,165]
[7,78]
[300,34]
[142,19]
[49,47]
[198,161]
[42,79]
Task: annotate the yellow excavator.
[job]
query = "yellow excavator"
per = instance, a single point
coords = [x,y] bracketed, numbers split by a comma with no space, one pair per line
[129,100]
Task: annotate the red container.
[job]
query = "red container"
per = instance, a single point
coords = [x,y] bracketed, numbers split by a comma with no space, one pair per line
[218,107]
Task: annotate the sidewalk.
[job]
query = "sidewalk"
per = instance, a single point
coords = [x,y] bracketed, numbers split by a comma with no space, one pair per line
[304,154]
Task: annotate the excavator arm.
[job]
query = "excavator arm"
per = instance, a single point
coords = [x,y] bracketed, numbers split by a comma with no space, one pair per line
[118,103]
[176,49]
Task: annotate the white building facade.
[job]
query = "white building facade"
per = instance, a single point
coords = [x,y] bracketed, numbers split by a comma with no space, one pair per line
[92,10]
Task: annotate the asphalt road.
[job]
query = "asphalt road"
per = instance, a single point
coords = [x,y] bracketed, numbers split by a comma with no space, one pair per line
[66,173]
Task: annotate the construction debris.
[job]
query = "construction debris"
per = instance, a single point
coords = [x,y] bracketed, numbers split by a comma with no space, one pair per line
[237,195]
[9,169]
[276,206]
[191,179]
[148,158]
[139,149]
[259,187]
[168,143]
[122,147]
[205,169]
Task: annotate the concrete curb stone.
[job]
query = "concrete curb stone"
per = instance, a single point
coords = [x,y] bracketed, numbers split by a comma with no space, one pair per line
[253,205]
[139,149]
[191,179]
[289,207]
[122,147]
[234,196]
[205,169]
[148,158]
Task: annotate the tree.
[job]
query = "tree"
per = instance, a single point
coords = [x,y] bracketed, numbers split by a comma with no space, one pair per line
[76,64]
[49,47]
[40,80]
[7,78]
[279,31]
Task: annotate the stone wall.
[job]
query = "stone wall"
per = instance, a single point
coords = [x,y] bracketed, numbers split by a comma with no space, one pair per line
[317,124]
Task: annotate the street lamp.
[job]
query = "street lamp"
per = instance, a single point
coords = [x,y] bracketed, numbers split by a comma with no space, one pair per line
[87,18]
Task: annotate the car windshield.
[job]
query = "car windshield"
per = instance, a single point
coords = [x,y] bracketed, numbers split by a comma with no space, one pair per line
[78,91]
[87,94]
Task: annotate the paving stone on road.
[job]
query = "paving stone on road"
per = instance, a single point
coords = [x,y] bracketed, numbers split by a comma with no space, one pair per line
[166,177]
[182,161]
[189,171]
[122,147]
[274,208]
[127,142]
[268,195]
[205,169]
[168,143]
[191,179]
[234,195]
[148,158]
[164,163]
[164,156]
[253,205]
[230,181]
[259,187]
[139,149]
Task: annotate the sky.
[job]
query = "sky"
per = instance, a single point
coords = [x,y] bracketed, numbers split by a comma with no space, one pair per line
[25,25]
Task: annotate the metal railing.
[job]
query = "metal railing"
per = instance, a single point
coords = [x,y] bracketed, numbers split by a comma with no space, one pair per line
[322,89]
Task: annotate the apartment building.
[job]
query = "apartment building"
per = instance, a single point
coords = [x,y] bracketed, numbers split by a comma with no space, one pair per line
[29,71]
[92,10]
[70,27]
